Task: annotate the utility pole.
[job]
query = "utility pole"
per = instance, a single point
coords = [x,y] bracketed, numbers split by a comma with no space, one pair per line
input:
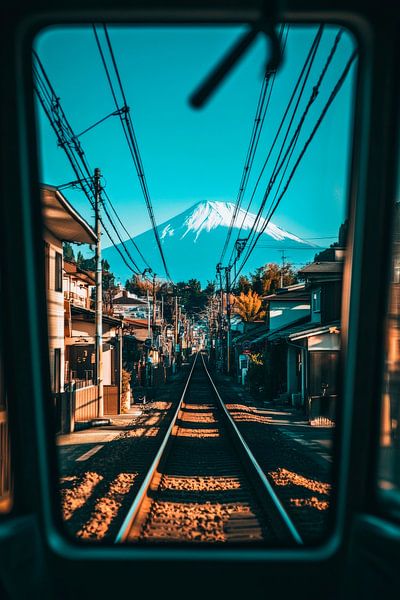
[228,318]
[176,322]
[283,266]
[221,315]
[99,295]
[176,332]
[154,309]
[148,270]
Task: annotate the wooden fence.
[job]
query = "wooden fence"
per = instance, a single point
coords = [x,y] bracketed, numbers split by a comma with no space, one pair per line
[85,403]
[111,400]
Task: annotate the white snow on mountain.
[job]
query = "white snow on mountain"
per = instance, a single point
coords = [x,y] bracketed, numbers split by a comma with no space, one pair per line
[209,215]
[193,240]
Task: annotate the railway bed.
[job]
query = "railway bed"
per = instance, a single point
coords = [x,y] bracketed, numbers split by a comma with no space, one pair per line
[204,484]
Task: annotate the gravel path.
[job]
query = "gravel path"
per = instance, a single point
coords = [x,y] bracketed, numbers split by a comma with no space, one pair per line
[301,479]
[204,494]
[96,493]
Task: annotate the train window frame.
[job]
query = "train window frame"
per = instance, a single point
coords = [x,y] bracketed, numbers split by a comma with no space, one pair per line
[353,442]
[328,545]
[178,551]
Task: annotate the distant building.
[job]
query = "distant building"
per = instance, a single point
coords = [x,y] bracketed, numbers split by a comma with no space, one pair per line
[126,304]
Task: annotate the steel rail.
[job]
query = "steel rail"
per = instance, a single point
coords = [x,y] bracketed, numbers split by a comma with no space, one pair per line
[285,519]
[265,490]
[141,495]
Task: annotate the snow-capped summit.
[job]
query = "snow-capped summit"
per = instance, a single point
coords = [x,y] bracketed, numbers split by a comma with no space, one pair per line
[193,240]
[208,215]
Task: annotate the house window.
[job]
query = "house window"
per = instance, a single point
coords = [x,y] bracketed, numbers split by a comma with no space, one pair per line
[316,301]
[46,262]
[58,279]
[57,371]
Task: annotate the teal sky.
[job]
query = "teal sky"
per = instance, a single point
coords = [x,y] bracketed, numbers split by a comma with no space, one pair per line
[191,155]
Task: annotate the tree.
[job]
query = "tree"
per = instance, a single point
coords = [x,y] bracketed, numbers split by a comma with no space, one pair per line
[244,284]
[272,276]
[140,286]
[249,306]
[209,290]
[193,298]
[79,258]
[68,252]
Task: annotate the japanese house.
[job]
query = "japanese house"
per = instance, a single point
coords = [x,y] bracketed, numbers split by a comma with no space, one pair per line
[71,322]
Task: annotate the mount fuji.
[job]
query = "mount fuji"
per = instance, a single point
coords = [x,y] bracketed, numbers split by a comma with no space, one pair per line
[192,242]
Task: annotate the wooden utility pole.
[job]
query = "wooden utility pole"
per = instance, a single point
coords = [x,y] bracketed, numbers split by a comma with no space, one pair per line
[99,296]
[283,266]
[176,322]
[221,315]
[148,315]
[228,318]
[154,309]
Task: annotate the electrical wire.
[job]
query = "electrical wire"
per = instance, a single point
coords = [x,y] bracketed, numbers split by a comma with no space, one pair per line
[325,109]
[130,136]
[253,144]
[301,81]
[68,141]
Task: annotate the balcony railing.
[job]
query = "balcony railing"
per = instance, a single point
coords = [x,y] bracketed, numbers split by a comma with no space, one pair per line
[77,300]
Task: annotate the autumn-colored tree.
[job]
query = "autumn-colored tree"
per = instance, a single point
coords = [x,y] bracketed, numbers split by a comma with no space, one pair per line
[271,276]
[249,306]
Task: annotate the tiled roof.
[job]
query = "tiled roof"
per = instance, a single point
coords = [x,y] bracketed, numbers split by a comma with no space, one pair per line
[323,267]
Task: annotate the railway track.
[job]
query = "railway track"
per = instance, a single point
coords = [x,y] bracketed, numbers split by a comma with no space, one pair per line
[204,484]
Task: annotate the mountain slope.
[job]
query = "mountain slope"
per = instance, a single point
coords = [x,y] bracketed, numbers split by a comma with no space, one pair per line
[193,240]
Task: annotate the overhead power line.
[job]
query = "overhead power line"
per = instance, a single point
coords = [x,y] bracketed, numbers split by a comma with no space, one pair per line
[300,83]
[129,132]
[261,111]
[323,113]
[68,141]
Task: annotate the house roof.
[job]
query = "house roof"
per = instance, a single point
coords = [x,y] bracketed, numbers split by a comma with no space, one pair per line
[291,293]
[306,332]
[89,315]
[139,328]
[284,331]
[251,334]
[72,268]
[292,297]
[128,300]
[140,323]
[140,335]
[296,288]
[323,267]
[62,220]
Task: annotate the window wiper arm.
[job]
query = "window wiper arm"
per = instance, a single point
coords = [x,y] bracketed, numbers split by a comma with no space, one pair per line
[200,96]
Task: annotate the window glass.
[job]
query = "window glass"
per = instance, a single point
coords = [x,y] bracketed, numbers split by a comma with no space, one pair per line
[182,236]
[58,285]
